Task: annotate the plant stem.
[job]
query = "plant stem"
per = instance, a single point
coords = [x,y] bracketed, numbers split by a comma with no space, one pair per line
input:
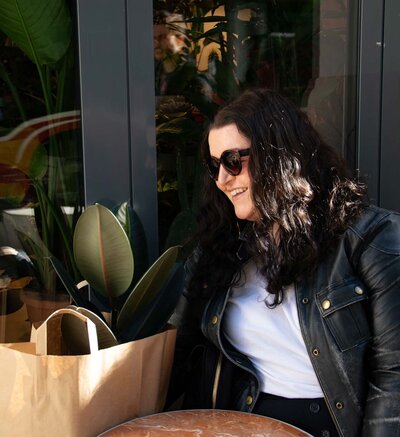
[64,230]
[61,75]
[14,92]
[43,213]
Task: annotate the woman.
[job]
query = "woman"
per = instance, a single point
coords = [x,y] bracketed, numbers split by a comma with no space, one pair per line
[292,301]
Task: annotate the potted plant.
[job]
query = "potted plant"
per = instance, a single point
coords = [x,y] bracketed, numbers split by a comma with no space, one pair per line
[42,152]
[105,255]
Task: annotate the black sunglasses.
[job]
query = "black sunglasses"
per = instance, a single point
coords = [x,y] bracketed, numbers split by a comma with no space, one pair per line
[230,160]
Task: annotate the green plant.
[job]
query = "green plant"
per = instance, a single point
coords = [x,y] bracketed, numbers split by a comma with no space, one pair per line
[104,255]
[42,30]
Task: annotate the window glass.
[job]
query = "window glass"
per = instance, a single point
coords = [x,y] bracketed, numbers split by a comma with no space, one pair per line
[206,52]
[40,157]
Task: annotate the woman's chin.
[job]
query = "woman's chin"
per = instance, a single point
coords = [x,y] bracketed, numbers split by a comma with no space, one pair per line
[249,215]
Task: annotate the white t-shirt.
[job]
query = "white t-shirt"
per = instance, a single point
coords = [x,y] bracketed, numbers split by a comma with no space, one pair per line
[270,337]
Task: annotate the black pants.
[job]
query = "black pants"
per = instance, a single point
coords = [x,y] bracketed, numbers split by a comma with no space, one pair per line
[310,415]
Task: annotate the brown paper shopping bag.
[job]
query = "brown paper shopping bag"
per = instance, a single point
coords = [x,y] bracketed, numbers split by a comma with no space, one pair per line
[81,395]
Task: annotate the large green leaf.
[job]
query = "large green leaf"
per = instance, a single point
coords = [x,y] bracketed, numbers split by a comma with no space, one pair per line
[103,252]
[147,288]
[75,335]
[134,229]
[105,337]
[156,314]
[41,28]
[182,228]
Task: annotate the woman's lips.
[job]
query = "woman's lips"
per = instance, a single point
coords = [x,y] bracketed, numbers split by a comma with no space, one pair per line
[237,192]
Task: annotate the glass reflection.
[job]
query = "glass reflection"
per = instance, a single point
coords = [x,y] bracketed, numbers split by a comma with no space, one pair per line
[206,52]
[40,149]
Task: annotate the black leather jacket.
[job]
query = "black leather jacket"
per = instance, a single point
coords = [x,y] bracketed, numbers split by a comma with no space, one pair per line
[349,313]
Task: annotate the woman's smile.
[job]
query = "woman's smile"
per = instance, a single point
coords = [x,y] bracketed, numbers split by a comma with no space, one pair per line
[237,192]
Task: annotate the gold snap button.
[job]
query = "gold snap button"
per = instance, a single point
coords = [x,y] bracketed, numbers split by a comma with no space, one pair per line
[358,290]
[214,320]
[326,304]
[339,405]
[305,300]
[249,400]
[315,352]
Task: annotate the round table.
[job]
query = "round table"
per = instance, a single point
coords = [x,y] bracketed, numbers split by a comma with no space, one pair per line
[205,423]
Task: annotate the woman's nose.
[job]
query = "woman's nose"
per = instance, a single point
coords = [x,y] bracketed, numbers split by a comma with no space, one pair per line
[223,175]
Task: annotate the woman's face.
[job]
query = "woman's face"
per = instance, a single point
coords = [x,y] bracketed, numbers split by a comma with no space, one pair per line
[237,188]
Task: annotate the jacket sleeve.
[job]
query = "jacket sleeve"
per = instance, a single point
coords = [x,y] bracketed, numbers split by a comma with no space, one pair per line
[379,268]
[187,319]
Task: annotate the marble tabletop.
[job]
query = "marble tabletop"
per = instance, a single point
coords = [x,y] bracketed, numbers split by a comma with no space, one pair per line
[204,423]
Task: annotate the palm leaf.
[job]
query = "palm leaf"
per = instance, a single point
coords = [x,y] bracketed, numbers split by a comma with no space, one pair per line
[103,252]
[41,28]
[39,255]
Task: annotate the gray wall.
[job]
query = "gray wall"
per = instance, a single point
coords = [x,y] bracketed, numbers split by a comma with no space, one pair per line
[117,103]
[379,100]
[390,106]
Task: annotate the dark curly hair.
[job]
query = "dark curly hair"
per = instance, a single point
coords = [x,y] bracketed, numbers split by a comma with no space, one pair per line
[298,183]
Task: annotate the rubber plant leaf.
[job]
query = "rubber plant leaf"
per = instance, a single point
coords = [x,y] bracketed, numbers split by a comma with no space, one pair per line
[102,252]
[182,228]
[147,289]
[42,29]
[75,335]
[105,336]
[158,311]
[133,227]
[76,295]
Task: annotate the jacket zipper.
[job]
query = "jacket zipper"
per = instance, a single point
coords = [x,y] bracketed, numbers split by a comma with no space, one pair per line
[315,370]
[216,381]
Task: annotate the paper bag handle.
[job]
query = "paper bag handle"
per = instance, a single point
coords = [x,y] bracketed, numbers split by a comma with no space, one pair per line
[42,331]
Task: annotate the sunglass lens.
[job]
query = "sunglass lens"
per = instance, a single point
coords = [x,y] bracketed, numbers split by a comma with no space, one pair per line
[213,167]
[230,160]
[232,163]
